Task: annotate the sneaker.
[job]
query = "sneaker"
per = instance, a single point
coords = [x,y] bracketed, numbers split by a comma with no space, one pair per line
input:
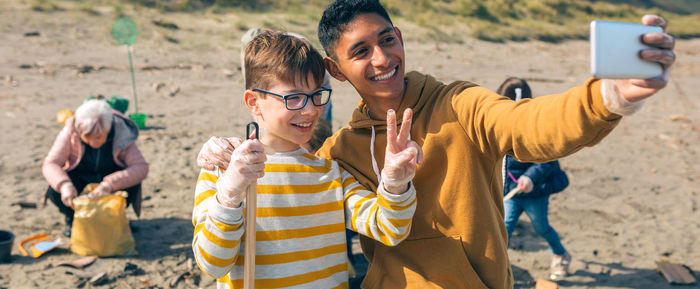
[66,232]
[560,266]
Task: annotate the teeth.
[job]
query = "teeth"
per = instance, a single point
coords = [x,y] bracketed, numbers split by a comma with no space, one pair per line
[308,124]
[385,76]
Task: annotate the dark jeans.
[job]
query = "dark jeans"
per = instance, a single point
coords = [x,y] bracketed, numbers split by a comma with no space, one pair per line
[537,210]
[358,261]
[55,198]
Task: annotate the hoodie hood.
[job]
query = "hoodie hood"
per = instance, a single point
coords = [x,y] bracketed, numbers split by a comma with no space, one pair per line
[418,88]
[125,131]
[420,91]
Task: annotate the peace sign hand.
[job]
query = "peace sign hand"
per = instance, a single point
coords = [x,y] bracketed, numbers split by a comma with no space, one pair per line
[402,154]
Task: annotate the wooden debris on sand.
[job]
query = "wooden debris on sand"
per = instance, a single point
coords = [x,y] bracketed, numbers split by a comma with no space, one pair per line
[676,274]
[545,284]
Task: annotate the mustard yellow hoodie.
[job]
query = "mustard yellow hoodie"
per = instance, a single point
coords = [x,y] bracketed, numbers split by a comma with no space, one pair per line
[458,239]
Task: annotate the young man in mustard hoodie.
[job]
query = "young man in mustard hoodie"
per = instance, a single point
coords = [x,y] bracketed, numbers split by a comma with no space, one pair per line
[458,238]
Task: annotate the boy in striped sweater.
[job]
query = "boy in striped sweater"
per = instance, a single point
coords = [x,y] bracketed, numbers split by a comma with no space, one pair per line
[304,203]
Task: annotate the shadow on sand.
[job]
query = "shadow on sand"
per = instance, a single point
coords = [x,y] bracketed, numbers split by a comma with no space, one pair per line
[610,275]
[160,237]
[522,277]
[615,275]
[525,238]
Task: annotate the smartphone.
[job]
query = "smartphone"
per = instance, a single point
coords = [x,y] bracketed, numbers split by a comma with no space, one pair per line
[615,50]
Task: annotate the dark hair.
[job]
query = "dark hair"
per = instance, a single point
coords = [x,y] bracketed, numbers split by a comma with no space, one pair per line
[274,55]
[341,12]
[508,87]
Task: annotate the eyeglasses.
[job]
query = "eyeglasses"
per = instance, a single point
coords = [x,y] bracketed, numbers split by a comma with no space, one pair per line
[298,100]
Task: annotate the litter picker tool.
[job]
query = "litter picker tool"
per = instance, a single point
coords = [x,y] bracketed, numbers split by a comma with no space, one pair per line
[251,206]
[512,193]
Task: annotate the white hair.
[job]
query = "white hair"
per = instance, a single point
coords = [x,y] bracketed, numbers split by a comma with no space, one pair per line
[93,116]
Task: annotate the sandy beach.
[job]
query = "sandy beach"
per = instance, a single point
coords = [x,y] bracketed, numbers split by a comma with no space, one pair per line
[633,198]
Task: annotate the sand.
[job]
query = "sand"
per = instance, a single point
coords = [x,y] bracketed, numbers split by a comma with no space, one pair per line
[633,198]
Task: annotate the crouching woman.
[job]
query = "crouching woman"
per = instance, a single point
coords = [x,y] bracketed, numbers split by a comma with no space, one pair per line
[97,145]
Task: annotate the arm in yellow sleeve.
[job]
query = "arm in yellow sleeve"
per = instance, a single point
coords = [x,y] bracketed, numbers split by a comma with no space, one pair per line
[382,216]
[535,130]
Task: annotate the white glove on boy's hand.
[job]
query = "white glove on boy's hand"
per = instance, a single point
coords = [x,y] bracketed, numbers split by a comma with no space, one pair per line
[216,152]
[247,165]
[402,154]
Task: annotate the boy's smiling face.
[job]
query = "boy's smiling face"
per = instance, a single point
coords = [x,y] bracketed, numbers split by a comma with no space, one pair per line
[370,55]
[285,130]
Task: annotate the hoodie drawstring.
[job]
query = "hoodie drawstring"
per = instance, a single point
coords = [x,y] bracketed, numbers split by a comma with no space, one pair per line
[374,161]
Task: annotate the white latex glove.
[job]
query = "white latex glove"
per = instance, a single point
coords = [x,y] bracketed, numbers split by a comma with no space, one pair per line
[247,165]
[216,152]
[525,184]
[68,193]
[402,154]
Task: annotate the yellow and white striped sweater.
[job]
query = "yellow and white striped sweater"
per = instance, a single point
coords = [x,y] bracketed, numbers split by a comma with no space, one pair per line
[304,205]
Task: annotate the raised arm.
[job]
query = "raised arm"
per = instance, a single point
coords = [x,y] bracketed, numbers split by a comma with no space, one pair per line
[387,214]
[554,126]
[534,130]
[217,229]
[382,216]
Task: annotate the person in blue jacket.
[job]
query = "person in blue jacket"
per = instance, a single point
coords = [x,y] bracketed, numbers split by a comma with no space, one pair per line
[536,182]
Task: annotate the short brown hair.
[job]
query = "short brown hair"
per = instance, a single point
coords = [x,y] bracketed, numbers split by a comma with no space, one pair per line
[276,56]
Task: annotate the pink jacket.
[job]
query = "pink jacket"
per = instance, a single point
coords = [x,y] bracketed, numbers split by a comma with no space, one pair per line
[67,151]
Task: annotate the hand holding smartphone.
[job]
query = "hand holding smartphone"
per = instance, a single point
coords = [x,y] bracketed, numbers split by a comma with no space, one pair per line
[615,48]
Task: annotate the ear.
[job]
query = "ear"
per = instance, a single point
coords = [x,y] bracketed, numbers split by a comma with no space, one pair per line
[251,101]
[333,69]
[398,34]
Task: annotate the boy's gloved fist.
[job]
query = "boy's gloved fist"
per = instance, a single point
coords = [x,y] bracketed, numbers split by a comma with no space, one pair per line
[216,152]
[402,154]
[247,165]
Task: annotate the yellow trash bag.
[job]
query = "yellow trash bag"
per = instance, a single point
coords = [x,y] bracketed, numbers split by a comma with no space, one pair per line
[100,226]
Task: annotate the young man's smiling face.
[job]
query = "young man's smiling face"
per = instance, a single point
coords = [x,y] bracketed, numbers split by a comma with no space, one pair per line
[370,55]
